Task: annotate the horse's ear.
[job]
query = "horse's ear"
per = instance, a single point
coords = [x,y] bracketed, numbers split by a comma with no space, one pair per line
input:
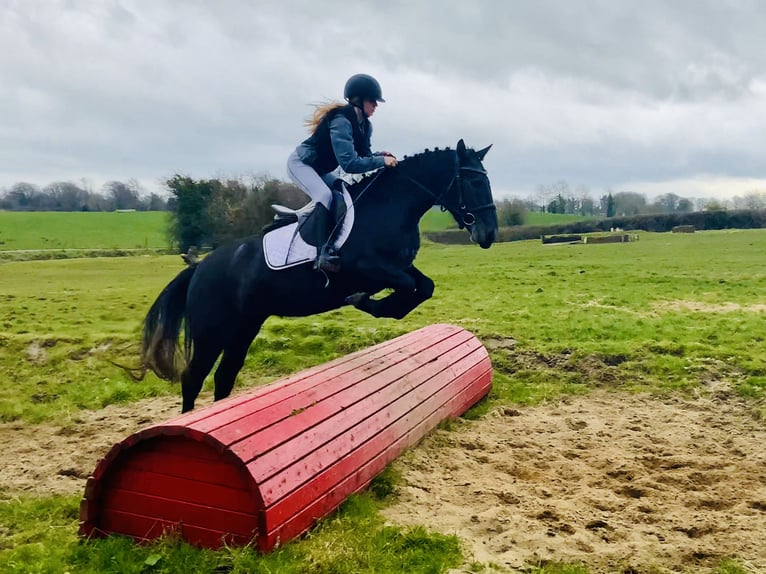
[482,152]
[461,148]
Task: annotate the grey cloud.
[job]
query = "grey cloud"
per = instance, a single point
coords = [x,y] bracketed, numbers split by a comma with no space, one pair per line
[597,92]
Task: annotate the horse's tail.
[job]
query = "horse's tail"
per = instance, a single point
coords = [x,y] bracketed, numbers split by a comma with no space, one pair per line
[160,350]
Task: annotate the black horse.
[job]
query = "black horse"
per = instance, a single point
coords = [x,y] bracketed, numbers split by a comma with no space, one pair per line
[224,300]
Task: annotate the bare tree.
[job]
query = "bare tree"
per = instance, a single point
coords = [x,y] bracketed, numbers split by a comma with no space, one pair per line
[121,195]
[66,196]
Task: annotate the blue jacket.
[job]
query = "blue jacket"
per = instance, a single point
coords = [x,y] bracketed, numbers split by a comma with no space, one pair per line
[340,139]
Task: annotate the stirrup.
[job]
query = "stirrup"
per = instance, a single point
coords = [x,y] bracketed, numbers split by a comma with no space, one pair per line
[327,260]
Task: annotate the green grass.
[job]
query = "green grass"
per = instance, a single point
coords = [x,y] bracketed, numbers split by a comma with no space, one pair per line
[667,313]
[580,316]
[60,322]
[39,538]
[82,230]
[145,229]
[437,220]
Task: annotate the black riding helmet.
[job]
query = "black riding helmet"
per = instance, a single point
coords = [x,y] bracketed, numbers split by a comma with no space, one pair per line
[363,87]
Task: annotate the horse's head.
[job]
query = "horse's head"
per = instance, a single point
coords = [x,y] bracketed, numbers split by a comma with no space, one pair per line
[469,198]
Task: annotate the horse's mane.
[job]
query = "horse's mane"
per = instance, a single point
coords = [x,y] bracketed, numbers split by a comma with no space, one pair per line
[407,163]
[426,155]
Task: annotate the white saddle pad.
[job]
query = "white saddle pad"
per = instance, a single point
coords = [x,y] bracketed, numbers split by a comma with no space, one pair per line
[284,247]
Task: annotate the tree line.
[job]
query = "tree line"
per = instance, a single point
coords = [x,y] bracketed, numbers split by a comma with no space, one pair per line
[655,222]
[209,212]
[560,198]
[69,196]
[205,213]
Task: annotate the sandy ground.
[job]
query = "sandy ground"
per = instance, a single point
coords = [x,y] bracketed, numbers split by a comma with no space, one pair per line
[619,482]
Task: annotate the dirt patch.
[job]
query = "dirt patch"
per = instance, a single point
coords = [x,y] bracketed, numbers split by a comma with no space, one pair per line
[619,482]
[57,458]
[701,307]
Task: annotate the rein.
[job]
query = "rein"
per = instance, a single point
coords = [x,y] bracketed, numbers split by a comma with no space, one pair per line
[466,214]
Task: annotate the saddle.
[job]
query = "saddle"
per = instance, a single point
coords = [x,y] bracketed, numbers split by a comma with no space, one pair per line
[287,241]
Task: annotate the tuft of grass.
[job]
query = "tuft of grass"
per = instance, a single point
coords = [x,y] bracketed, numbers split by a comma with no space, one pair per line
[384,485]
[729,566]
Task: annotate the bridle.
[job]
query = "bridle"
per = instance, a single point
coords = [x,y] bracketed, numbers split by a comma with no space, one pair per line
[464,215]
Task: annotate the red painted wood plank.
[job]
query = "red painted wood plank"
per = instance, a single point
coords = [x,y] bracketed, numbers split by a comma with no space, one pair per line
[88,512]
[317,436]
[320,457]
[308,425]
[284,400]
[192,418]
[179,444]
[222,472]
[343,363]
[332,479]
[282,527]
[182,489]
[108,459]
[143,528]
[414,388]
[292,417]
[280,431]
[172,510]
[315,467]
[330,439]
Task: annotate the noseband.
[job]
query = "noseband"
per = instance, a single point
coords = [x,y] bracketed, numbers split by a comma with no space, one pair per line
[464,215]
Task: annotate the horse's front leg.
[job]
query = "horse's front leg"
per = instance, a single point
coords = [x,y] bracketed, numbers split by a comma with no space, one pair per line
[400,302]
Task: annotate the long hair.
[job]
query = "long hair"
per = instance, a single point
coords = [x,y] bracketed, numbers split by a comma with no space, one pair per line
[320,111]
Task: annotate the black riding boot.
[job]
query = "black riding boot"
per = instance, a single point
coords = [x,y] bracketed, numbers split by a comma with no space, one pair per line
[326,230]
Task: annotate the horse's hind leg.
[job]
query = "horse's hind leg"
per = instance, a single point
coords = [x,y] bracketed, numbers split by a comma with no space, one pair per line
[233,359]
[205,354]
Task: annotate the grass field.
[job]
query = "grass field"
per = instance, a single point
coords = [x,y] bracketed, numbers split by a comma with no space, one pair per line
[655,310]
[82,230]
[666,313]
[143,229]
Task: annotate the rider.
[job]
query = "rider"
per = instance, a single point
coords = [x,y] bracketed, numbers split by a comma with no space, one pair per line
[340,136]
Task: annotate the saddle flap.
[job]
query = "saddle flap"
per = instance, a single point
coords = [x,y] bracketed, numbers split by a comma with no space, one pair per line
[284,247]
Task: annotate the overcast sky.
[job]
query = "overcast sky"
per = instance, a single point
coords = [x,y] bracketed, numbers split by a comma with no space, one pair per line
[648,96]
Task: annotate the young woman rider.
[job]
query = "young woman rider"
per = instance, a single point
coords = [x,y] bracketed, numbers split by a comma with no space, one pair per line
[340,136]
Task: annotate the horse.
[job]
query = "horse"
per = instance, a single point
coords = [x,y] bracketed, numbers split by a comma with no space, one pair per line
[223,300]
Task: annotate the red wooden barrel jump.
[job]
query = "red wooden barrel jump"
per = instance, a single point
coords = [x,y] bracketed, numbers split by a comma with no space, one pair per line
[264,466]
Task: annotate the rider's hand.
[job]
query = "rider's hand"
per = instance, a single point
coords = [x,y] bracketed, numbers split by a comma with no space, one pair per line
[390,161]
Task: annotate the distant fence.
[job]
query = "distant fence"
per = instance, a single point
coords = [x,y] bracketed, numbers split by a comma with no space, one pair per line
[588,239]
[561,239]
[620,238]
